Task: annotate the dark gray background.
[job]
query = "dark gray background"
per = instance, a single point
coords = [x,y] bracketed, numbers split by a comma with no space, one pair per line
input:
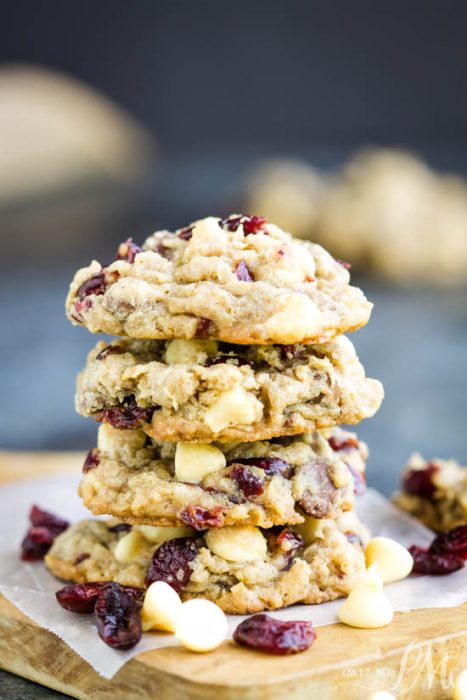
[205,74]
[220,84]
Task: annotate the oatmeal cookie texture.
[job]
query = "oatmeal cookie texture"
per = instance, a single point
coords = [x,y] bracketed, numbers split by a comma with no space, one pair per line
[435,492]
[242,569]
[139,480]
[202,390]
[240,280]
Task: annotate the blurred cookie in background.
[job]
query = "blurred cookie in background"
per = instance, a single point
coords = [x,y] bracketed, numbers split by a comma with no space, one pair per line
[385,211]
[72,164]
[389,213]
[435,492]
[56,132]
[287,192]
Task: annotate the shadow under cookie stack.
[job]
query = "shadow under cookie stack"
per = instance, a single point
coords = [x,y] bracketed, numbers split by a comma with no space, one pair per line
[219,458]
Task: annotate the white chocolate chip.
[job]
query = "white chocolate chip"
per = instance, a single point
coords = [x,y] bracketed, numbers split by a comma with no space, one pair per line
[105,435]
[311,529]
[161,607]
[233,407]
[298,320]
[193,461]
[393,560]
[294,267]
[237,543]
[459,691]
[128,547]
[110,439]
[367,606]
[207,229]
[156,534]
[201,625]
[189,351]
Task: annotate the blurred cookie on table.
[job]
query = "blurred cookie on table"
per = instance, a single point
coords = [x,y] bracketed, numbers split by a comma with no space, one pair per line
[385,211]
[388,212]
[287,192]
[56,133]
[434,492]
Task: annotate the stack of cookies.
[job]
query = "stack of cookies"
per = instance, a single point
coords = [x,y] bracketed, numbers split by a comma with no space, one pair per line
[219,457]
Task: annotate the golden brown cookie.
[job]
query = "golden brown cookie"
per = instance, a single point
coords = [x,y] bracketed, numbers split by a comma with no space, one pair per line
[242,569]
[240,280]
[204,390]
[277,482]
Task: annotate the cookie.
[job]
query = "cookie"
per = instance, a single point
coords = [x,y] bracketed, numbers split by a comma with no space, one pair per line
[435,492]
[138,480]
[239,280]
[287,191]
[242,569]
[202,390]
[389,214]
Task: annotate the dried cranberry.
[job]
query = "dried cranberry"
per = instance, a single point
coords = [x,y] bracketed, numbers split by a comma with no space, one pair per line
[109,350]
[171,563]
[289,541]
[275,636]
[33,551]
[80,597]
[248,482]
[289,352]
[271,465]
[164,251]
[418,482]
[81,557]
[231,223]
[79,307]
[343,444]
[42,518]
[94,285]
[121,527]
[452,542]
[223,359]
[128,251]
[41,535]
[253,224]
[345,265]
[204,328]
[201,518]
[127,416]
[186,233]
[92,460]
[243,272]
[44,529]
[359,480]
[426,562]
[118,616]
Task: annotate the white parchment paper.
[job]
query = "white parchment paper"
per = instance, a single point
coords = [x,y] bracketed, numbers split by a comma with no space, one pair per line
[31,588]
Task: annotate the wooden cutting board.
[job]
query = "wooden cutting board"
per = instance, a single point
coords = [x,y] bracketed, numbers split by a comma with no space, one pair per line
[417,656]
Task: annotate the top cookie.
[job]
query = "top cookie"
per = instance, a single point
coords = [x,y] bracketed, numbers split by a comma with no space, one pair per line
[239,280]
